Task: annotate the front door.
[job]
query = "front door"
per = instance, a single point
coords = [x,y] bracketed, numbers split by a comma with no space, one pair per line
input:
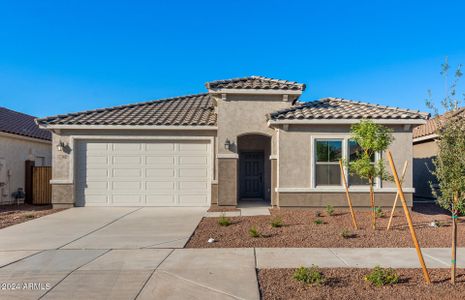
[251,174]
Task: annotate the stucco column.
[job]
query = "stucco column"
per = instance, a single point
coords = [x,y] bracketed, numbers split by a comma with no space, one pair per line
[274,181]
[227,180]
[62,179]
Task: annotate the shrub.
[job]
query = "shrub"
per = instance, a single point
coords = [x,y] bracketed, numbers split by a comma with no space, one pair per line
[224,221]
[330,210]
[347,234]
[318,221]
[379,212]
[382,276]
[309,275]
[253,232]
[277,222]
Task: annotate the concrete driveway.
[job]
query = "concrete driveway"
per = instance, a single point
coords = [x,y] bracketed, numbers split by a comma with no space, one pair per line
[119,253]
[105,228]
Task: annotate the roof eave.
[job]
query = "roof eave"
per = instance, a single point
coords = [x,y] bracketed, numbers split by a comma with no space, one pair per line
[255,91]
[346,121]
[134,127]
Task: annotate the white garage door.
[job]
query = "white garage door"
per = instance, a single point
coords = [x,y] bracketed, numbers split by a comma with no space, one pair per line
[143,173]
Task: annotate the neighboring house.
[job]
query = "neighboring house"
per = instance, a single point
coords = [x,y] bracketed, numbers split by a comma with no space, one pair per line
[246,139]
[20,140]
[425,150]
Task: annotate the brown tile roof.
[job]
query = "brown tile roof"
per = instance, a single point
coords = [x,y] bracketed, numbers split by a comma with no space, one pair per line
[255,82]
[14,122]
[192,110]
[433,125]
[336,108]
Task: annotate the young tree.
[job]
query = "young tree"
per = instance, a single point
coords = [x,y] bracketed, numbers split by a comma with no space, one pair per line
[372,138]
[449,164]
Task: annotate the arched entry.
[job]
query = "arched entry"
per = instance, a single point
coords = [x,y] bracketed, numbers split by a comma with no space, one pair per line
[254,172]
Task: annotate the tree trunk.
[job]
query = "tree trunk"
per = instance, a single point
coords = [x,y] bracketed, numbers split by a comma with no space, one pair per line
[372,204]
[454,248]
[454,240]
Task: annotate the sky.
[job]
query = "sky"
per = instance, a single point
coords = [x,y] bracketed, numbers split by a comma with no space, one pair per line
[64,56]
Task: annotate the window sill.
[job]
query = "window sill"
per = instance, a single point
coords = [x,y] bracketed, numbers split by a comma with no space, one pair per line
[342,190]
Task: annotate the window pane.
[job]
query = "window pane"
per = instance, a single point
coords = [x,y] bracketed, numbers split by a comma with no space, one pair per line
[355,151]
[328,175]
[356,180]
[322,151]
[328,151]
[335,150]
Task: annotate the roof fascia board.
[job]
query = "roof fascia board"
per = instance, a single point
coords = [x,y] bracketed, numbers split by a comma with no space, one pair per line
[426,137]
[344,121]
[255,91]
[135,127]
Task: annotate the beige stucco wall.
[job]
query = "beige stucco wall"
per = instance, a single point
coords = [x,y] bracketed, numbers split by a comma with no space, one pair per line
[423,155]
[241,115]
[62,162]
[295,159]
[14,151]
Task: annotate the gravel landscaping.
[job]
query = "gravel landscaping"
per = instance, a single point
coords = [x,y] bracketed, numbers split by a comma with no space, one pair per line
[350,284]
[300,230]
[15,214]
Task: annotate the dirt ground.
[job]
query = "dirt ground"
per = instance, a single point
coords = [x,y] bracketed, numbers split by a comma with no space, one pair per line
[300,230]
[350,284]
[15,214]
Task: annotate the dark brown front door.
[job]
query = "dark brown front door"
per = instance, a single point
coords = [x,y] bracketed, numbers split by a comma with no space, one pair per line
[251,174]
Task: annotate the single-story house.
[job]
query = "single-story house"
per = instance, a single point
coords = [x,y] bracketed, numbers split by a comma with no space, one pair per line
[425,150]
[20,140]
[245,139]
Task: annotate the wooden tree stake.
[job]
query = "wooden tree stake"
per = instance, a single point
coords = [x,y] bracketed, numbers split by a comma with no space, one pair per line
[404,170]
[348,195]
[409,218]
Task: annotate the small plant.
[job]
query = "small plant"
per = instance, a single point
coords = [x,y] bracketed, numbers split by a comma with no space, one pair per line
[318,214]
[29,216]
[347,234]
[330,210]
[382,276]
[224,221]
[253,232]
[309,275]
[318,221]
[379,212]
[277,222]
[437,223]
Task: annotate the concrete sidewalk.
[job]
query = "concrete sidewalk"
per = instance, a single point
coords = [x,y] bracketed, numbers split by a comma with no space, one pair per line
[226,273]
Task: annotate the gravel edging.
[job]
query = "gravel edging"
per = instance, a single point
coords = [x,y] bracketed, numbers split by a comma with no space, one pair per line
[344,283]
[299,230]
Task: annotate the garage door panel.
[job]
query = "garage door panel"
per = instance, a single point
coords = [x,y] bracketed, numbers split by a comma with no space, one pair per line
[128,146]
[193,185]
[96,173]
[127,160]
[159,172]
[126,185]
[126,199]
[143,173]
[193,147]
[191,199]
[126,172]
[152,186]
[192,172]
[161,146]
[160,160]
[193,160]
[161,199]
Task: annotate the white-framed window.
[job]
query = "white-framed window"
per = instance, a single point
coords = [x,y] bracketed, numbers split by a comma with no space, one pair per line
[326,155]
[328,152]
